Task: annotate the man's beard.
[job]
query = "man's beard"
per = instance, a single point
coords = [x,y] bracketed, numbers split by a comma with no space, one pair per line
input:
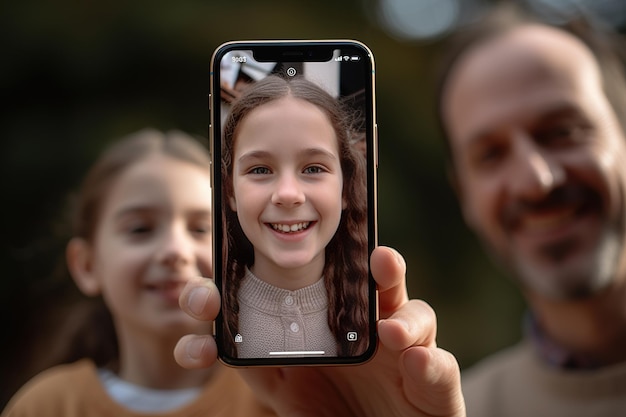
[562,270]
[575,278]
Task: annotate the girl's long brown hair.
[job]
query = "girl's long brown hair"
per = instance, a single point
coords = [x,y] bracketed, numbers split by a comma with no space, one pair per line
[346,268]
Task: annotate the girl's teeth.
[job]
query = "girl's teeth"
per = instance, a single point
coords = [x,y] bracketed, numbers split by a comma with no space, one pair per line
[286,228]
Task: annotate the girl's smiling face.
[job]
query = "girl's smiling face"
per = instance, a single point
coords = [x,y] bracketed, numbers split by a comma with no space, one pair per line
[287,189]
[154,234]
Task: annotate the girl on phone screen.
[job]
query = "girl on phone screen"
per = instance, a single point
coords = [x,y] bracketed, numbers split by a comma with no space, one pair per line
[295,215]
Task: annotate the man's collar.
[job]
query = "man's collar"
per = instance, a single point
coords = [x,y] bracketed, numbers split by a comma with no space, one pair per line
[551,352]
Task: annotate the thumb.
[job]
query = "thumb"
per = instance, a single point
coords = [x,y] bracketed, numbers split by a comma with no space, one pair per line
[389,272]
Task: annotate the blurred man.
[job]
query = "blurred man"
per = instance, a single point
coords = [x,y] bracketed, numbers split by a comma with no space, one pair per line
[534,118]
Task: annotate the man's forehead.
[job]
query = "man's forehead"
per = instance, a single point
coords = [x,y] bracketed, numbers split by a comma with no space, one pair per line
[553,48]
[531,59]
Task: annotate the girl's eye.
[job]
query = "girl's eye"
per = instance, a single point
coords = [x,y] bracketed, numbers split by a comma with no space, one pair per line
[314,169]
[200,229]
[140,229]
[259,171]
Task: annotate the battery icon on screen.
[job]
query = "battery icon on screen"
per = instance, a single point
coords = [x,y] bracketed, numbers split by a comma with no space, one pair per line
[355,58]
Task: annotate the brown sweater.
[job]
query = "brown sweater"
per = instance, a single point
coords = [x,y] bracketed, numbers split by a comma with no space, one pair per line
[514,383]
[273,319]
[75,390]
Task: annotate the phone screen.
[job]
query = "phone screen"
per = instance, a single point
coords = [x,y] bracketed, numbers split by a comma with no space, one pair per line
[294,193]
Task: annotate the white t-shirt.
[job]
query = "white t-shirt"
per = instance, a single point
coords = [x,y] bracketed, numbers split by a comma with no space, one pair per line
[142,399]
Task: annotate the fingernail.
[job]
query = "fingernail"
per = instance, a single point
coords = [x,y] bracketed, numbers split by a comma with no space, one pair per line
[399,258]
[195,348]
[198,299]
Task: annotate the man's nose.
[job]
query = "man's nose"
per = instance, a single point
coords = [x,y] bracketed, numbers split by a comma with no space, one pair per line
[535,171]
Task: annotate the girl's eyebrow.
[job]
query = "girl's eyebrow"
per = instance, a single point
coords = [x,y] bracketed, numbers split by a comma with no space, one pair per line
[199,212]
[320,152]
[253,155]
[146,209]
[133,209]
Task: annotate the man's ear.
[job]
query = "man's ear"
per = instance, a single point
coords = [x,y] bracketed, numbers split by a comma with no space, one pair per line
[79,258]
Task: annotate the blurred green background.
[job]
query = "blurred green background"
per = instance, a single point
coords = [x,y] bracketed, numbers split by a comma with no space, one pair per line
[75,75]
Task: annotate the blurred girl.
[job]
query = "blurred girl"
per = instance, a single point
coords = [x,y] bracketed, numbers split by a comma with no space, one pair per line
[142,229]
[295,216]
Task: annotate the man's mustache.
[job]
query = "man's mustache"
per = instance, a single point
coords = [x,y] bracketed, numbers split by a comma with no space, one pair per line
[565,196]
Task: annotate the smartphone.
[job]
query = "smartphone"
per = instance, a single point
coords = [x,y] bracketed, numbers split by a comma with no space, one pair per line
[294,161]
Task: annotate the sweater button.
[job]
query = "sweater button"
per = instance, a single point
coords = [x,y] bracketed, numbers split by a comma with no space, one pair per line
[294,327]
[289,300]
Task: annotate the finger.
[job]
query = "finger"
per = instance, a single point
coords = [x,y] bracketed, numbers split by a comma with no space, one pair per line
[194,352]
[200,299]
[389,269]
[414,324]
[431,381]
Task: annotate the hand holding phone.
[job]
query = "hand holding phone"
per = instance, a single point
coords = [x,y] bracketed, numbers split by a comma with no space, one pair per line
[294,194]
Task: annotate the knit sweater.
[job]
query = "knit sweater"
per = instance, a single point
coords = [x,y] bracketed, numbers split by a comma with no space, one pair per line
[516,383]
[273,319]
[75,390]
